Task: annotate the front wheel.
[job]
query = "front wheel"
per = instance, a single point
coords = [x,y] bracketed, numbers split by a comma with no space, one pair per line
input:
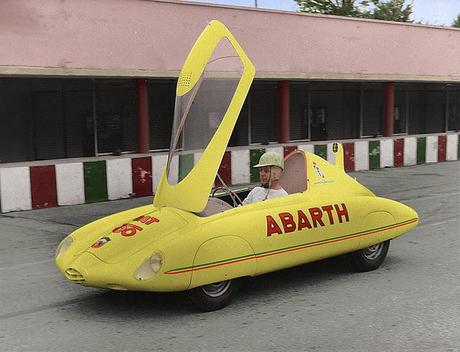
[369,258]
[214,296]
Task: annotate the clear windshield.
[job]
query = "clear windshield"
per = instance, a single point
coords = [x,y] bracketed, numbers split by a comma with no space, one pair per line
[198,114]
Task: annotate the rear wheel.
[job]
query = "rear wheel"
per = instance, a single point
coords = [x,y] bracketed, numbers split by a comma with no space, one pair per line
[214,296]
[369,258]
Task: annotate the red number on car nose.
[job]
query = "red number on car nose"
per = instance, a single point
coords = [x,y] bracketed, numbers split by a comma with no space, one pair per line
[127,230]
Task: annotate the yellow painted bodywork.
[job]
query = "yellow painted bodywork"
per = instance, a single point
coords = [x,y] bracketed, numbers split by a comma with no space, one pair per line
[201,250]
[342,215]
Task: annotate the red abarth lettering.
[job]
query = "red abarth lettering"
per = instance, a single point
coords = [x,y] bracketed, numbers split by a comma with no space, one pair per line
[302,220]
[342,212]
[288,222]
[272,226]
[328,209]
[316,215]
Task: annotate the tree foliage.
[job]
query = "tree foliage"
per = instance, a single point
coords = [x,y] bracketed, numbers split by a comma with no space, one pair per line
[456,22]
[332,7]
[389,10]
[393,10]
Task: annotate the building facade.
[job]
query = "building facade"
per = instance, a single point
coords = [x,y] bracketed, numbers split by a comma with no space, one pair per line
[87,94]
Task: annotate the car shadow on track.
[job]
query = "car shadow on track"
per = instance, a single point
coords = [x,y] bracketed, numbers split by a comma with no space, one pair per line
[308,276]
[152,305]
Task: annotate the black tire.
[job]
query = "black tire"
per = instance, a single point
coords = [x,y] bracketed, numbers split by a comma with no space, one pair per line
[369,258]
[214,296]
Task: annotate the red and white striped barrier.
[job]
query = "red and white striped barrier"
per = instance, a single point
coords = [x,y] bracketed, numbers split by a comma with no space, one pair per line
[60,183]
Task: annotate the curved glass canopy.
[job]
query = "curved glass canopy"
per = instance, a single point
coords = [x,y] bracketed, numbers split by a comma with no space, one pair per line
[199,113]
[211,90]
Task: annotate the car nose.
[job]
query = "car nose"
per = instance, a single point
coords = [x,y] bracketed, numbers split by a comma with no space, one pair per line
[79,270]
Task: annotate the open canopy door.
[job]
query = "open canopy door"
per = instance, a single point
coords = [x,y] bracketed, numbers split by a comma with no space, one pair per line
[211,90]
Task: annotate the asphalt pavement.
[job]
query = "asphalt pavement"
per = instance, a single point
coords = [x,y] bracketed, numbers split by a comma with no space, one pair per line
[411,303]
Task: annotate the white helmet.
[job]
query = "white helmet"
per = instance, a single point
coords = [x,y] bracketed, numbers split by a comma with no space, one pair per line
[271,159]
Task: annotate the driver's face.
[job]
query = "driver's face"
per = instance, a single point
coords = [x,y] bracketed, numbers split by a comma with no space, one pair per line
[264,174]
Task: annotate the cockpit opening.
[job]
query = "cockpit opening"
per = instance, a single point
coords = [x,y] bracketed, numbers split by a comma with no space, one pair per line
[293,180]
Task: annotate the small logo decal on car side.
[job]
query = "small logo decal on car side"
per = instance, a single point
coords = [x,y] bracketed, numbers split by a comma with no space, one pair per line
[100,242]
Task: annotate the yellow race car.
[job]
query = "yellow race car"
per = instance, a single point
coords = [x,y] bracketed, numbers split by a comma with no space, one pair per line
[189,241]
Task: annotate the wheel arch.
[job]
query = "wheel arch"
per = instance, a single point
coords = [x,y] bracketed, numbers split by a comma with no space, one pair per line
[377,226]
[222,258]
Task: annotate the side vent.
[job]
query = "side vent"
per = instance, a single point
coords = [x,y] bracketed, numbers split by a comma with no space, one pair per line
[74,275]
[184,80]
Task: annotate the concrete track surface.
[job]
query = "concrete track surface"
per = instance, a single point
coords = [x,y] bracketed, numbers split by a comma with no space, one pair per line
[411,303]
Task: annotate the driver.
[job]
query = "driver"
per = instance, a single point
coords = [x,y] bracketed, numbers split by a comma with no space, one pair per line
[270,166]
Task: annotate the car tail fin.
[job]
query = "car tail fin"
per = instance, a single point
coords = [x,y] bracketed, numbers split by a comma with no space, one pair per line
[337,149]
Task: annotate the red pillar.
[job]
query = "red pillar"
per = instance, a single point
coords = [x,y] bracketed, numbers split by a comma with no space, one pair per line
[389,108]
[143,116]
[284,112]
